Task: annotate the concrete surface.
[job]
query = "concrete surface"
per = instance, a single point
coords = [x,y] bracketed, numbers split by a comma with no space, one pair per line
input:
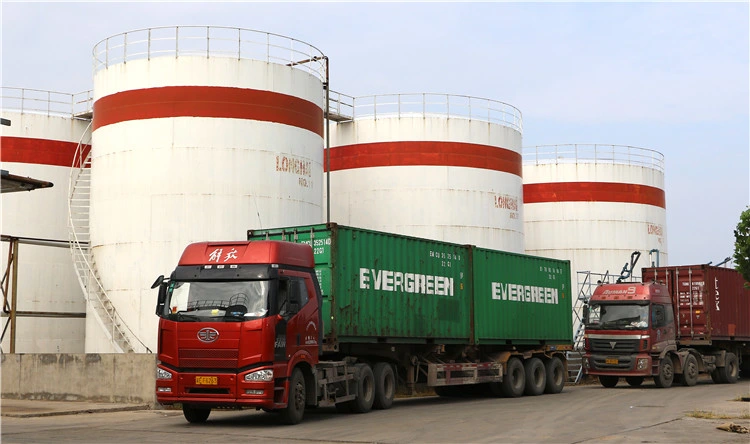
[580,414]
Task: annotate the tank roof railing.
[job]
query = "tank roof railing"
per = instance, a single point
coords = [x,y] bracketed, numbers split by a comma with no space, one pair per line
[50,103]
[208,41]
[593,153]
[346,107]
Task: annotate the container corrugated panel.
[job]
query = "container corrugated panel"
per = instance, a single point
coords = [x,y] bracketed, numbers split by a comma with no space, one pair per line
[521,299]
[385,287]
[712,302]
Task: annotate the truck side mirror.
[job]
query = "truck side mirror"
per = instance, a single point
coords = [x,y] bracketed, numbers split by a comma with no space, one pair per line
[157,282]
[162,298]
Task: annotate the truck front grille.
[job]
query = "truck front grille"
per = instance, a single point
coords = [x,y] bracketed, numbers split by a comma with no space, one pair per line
[208,358]
[614,345]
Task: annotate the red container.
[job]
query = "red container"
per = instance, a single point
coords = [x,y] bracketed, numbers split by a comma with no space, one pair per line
[711,303]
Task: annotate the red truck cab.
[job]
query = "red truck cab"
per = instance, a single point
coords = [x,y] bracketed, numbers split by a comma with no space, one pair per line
[235,319]
[629,329]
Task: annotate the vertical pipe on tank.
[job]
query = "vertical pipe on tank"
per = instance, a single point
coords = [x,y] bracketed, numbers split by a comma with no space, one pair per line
[328,141]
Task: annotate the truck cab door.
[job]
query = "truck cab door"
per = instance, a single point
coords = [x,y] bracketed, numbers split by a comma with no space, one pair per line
[299,315]
[662,323]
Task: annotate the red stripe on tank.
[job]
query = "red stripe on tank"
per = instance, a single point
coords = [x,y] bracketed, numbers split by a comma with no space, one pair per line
[37,151]
[456,154]
[208,101]
[593,192]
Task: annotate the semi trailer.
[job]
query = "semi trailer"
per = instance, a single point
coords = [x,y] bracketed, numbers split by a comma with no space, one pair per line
[329,315]
[679,322]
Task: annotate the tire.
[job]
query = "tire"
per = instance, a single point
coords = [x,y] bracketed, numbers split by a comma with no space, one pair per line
[556,376]
[731,370]
[634,381]
[195,415]
[690,371]
[514,382]
[716,376]
[385,386]
[666,373]
[608,380]
[536,377]
[295,408]
[365,390]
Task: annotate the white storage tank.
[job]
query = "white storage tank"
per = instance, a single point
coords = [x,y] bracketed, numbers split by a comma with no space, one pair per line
[200,133]
[40,143]
[438,166]
[595,205]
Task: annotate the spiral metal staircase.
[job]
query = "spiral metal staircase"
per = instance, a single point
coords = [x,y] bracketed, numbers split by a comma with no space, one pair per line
[121,336]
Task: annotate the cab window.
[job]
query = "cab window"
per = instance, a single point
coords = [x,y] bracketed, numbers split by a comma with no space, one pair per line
[661,315]
[291,289]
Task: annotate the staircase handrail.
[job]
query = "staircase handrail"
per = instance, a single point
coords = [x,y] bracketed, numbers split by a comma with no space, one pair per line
[80,161]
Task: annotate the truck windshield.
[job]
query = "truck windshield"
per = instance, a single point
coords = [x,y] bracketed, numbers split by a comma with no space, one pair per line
[620,316]
[217,301]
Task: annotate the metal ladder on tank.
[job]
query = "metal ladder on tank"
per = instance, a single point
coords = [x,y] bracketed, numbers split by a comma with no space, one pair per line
[79,192]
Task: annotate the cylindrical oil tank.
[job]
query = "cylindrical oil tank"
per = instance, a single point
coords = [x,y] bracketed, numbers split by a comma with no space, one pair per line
[595,205]
[40,143]
[199,133]
[436,166]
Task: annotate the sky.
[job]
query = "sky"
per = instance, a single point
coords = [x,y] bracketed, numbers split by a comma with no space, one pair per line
[671,77]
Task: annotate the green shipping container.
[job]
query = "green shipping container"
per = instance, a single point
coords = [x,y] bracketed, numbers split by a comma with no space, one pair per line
[380,287]
[521,299]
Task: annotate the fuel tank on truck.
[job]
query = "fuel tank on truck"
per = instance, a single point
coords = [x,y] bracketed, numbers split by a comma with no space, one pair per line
[712,303]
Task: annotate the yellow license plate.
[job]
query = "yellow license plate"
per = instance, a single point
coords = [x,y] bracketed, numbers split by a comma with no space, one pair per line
[612,361]
[206,380]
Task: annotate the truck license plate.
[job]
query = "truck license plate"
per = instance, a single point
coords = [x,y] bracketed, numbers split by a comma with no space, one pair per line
[612,361]
[206,380]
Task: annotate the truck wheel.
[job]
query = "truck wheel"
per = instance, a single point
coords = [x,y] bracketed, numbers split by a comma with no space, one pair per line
[716,376]
[536,377]
[634,381]
[690,371]
[365,390]
[666,373]
[385,386]
[195,415]
[608,381]
[731,370]
[515,381]
[295,407]
[555,375]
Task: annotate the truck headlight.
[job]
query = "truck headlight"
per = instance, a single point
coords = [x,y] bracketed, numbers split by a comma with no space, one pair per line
[260,376]
[162,374]
[642,363]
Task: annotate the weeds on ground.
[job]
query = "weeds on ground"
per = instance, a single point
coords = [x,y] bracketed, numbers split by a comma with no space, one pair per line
[702,414]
